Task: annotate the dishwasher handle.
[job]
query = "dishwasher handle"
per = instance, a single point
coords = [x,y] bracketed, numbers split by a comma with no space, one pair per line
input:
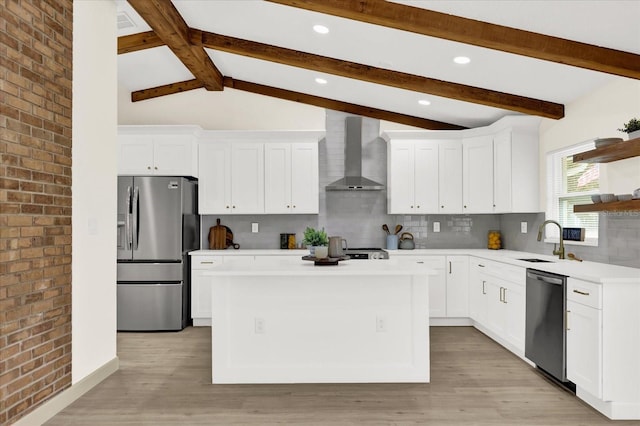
[546,279]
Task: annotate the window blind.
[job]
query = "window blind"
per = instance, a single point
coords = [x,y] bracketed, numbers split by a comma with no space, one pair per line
[569,184]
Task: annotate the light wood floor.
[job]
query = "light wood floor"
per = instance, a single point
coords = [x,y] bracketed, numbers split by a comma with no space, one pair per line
[164,379]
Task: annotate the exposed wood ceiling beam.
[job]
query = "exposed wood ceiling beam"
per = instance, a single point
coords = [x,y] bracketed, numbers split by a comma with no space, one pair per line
[140,41]
[167,89]
[166,22]
[377,75]
[478,33]
[297,97]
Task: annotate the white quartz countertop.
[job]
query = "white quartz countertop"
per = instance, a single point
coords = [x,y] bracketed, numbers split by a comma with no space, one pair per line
[361,268]
[588,271]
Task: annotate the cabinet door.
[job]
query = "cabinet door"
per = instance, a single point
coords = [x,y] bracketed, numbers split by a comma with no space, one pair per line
[450,176]
[437,285]
[477,176]
[457,286]
[496,311]
[400,187]
[477,291]
[277,178]
[584,347]
[214,183]
[247,177]
[514,304]
[502,163]
[425,166]
[304,178]
[200,296]
[135,155]
[173,156]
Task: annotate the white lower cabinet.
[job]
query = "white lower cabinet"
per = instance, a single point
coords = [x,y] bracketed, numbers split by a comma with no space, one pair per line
[584,347]
[457,279]
[497,300]
[448,290]
[201,284]
[201,288]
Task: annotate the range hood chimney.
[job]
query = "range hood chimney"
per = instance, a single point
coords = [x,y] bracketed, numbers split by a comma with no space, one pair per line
[353,179]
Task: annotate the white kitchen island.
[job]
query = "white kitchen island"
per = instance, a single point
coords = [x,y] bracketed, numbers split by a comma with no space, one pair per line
[293,322]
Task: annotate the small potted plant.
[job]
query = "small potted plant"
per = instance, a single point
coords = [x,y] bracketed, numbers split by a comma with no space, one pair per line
[315,238]
[632,128]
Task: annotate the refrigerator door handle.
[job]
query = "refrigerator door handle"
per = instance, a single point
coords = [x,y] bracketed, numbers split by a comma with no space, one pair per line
[134,213]
[127,220]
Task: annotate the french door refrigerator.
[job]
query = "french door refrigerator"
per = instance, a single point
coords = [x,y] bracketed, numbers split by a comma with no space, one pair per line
[157,226]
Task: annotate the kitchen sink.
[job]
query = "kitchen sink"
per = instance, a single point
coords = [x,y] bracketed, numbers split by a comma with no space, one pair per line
[535,260]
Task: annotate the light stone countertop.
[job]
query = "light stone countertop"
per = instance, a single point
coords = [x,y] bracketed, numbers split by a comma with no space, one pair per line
[360,268]
[588,271]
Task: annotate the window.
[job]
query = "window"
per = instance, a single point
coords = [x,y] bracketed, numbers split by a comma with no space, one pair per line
[568,184]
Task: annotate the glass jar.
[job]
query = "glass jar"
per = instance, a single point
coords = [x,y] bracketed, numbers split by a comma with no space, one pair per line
[494,240]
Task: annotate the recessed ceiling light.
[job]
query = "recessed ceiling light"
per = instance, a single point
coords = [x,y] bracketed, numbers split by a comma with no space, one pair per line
[424,102]
[321,80]
[320,29]
[462,60]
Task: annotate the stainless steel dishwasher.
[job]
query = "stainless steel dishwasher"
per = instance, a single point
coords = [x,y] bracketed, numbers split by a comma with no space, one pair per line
[545,335]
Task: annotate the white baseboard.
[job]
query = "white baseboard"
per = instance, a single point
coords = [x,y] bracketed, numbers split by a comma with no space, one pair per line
[450,322]
[59,402]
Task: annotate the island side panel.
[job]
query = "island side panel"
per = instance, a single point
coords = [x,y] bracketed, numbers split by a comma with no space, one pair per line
[315,329]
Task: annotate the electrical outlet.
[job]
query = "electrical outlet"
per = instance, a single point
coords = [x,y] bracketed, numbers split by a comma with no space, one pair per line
[523,227]
[436,226]
[254,227]
[259,325]
[381,324]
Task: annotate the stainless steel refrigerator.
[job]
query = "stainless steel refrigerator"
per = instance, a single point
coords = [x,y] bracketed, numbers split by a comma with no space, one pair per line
[157,226]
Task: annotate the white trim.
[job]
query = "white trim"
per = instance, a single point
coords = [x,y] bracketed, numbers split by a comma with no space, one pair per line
[61,401]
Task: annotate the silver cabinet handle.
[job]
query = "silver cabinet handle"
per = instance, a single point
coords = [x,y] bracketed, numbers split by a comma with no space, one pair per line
[449,267]
[566,318]
[210,262]
[483,289]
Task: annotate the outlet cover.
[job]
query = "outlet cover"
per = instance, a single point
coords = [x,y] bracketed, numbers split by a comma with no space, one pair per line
[523,227]
[254,227]
[436,226]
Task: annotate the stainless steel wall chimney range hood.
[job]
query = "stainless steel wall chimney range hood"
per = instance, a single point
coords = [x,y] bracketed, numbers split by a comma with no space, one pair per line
[353,179]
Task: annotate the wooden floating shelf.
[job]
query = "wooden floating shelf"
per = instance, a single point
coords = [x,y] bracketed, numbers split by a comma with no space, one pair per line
[616,206]
[609,153]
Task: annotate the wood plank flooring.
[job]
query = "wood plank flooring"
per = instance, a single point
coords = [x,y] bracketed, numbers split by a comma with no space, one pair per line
[164,379]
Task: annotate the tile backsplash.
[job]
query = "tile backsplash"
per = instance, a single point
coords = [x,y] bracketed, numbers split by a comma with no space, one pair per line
[358,216]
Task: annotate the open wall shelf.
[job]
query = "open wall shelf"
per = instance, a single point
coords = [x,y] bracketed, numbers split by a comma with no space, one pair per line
[609,153]
[616,206]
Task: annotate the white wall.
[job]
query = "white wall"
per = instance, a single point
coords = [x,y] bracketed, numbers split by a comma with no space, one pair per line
[596,115]
[94,187]
[227,110]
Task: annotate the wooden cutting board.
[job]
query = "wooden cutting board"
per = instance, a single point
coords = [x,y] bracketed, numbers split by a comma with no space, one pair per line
[218,236]
[221,237]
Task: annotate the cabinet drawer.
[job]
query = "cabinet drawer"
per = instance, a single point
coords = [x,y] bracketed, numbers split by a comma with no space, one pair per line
[584,292]
[511,273]
[205,262]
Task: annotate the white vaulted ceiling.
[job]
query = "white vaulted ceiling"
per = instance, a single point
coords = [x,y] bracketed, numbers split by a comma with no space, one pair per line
[607,23]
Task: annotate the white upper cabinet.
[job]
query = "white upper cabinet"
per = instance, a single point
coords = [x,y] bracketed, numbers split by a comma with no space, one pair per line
[291,178]
[450,176]
[247,177]
[424,176]
[477,174]
[158,150]
[493,169]
[258,173]
[214,183]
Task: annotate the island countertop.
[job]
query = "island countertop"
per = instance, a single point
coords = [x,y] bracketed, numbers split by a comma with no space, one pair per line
[307,268]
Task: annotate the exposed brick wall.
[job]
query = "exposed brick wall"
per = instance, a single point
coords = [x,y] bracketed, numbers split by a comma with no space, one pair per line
[35,200]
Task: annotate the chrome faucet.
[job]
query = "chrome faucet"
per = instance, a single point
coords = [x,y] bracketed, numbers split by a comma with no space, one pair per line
[560,251]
